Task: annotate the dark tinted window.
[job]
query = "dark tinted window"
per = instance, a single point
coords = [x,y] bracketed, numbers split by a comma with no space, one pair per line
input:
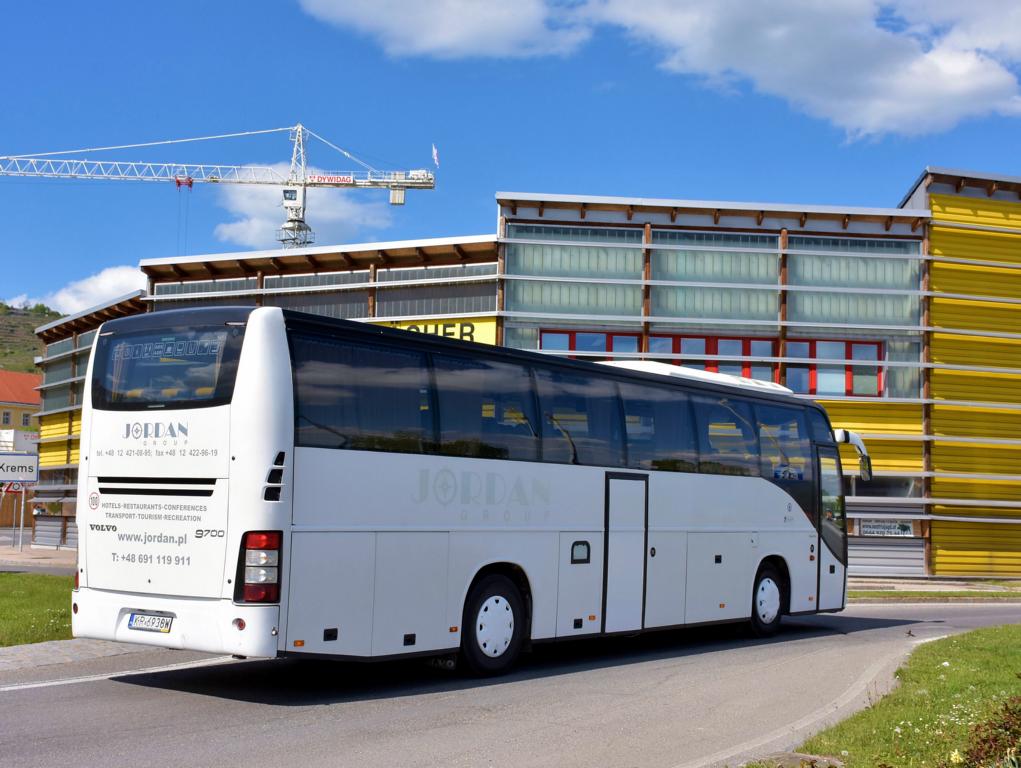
[487,409]
[362,396]
[727,443]
[818,427]
[186,367]
[660,433]
[786,452]
[581,419]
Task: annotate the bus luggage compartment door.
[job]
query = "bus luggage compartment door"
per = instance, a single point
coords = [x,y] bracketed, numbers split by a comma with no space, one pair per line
[626,523]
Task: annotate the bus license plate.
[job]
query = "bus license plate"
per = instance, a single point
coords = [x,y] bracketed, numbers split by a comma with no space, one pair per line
[148,622]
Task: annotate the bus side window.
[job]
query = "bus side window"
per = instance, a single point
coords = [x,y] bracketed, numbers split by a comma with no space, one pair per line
[360,396]
[727,443]
[820,430]
[487,409]
[581,419]
[660,433]
[787,452]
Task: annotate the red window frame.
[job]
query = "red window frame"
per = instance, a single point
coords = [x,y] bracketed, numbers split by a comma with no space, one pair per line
[712,350]
[813,372]
[573,339]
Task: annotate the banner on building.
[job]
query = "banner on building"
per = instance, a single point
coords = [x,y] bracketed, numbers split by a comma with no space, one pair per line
[481,330]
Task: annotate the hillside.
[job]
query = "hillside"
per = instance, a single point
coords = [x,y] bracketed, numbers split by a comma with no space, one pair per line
[18,343]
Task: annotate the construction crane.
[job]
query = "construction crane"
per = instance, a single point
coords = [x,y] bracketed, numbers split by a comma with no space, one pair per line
[295,232]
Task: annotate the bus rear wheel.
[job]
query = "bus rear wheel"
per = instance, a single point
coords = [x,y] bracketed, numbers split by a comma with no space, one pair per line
[493,626]
[767,602]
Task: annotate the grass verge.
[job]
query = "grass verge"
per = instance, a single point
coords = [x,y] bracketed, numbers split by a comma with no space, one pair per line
[930,596]
[34,608]
[946,688]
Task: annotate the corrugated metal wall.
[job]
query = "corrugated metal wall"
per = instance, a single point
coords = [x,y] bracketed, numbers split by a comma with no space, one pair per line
[974,548]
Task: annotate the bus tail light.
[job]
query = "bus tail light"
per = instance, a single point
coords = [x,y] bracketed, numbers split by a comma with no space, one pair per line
[259,568]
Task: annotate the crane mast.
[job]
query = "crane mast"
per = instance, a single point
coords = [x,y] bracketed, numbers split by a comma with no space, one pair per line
[294,232]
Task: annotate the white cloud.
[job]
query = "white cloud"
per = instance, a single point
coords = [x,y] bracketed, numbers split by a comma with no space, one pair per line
[87,292]
[335,215]
[869,67]
[449,29]
[846,61]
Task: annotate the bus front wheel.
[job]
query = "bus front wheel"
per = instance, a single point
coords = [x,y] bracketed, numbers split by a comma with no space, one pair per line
[493,626]
[767,602]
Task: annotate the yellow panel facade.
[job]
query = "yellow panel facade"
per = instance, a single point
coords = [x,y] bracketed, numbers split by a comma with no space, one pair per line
[976,210]
[76,423]
[972,457]
[55,425]
[887,455]
[975,315]
[976,386]
[958,349]
[875,418]
[975,280]
[53,454]
[992,549]
[960,421]
[980,246]
[998,490]
[74,452]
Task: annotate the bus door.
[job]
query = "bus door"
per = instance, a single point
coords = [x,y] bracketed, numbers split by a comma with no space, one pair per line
[626,534]
[832,530]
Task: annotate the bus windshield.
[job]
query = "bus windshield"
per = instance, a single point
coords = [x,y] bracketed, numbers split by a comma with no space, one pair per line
[186,367]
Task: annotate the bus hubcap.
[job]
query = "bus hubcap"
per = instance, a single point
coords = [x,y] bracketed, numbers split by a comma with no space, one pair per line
[494,626]
[767,601]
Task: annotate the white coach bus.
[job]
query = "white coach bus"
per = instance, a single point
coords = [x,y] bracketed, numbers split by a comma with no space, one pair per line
[263,483]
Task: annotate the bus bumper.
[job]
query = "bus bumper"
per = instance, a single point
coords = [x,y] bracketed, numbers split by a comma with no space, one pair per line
[213,626]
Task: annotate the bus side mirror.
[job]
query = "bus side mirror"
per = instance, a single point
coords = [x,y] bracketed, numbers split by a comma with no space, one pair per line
[865,467]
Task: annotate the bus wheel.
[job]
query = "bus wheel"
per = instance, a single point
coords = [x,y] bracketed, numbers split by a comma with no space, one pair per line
[767,602]
[493,626]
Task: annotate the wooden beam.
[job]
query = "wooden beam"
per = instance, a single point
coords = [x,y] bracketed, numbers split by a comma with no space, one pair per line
[246,270]
[581,210]
[425,257]
[960,184]
[384,257]
[514,208]
[888,223]
[916,224]
[847,220]
[213,271]
[313,263]
[991,189]
[673,215]
[759,217]
[802,220]
[277,264]
[630,212]
[542,208]
[716,216]
[462,255]
[178,272]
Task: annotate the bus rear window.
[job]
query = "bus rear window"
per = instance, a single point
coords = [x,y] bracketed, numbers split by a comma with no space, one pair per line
[192,367]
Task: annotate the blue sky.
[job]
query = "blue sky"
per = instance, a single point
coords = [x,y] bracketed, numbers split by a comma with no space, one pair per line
[830,102]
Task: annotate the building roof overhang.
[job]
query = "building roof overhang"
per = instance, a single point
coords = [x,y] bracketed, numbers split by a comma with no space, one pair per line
[959,179]
[91,318]
[425,252]
[630,206]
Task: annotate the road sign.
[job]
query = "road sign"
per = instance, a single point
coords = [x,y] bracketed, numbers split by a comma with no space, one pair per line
[19,468]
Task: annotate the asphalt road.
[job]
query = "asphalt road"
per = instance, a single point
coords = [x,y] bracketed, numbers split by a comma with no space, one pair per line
[674,699]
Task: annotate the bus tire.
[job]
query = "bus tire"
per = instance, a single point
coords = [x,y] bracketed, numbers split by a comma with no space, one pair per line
[767,601]
[493,626]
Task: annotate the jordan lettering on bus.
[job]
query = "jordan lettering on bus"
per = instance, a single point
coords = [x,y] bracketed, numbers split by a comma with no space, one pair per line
[479,488]
[144,430]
